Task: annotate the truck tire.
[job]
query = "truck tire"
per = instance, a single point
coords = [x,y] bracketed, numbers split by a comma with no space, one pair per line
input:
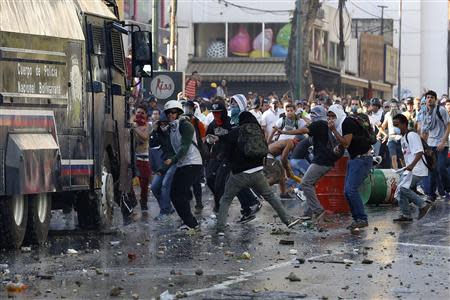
[95,209]
[13,220]
[39,215]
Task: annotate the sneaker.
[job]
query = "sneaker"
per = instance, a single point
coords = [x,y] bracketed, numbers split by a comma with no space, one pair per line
[423,211]
[292,222]
[255,208]
[318,217]
[358,224]
[184,227]
[246,218]
[402,218]
[162,218]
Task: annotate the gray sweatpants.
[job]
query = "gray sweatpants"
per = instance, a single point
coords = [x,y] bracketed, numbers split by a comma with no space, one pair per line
[258,183]
[309,180]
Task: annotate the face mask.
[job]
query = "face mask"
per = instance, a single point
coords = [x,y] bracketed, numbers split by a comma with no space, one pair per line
[354,108]
[218,118]
[397,130]
[235,111]
[141,120]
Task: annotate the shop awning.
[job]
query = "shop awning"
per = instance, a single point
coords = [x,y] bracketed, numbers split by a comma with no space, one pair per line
[239,69]
[354,81]
[380,86]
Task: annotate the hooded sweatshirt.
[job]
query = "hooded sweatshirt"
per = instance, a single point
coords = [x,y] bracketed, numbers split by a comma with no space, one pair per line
[238,162]
[340,116]
[242,105]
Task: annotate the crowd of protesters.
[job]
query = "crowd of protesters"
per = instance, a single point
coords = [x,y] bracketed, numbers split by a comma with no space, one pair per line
[240,145]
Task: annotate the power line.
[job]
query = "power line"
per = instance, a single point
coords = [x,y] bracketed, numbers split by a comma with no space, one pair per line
[364,10]
[253,9]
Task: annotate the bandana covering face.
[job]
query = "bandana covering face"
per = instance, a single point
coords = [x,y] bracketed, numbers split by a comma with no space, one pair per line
[141,120]
[218,118]
[340,116]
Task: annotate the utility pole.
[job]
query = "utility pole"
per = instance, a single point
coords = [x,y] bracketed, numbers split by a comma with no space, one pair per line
[382,17]
[399,85]
[341,36]
[173,29]
[155,34]
[298,52]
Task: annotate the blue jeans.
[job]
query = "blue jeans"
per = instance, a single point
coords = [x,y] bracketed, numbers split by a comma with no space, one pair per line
[440,172]
[161,190]
[407,196]
[357,171]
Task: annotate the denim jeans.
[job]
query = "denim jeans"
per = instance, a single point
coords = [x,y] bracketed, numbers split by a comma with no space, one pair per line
[259,184]
[407,196]
[161,190]
[440,172]
[357,171]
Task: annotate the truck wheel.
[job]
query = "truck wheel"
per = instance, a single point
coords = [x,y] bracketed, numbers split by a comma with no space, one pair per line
[13,220]
[39,214]
[95,210]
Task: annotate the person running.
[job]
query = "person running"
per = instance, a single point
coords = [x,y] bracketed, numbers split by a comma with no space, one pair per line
[200,132]
[188,160]
[326,152]
[162,181]
[218,168]
[414,172]
[354,138]
[142,132]
[246,168]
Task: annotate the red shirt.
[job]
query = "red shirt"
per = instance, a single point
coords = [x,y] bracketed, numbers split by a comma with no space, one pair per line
[191,88]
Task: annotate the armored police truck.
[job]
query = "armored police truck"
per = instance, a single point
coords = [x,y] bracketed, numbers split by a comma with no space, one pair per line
[64,132]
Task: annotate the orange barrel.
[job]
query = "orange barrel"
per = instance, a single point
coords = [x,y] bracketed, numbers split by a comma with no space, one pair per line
[330,188]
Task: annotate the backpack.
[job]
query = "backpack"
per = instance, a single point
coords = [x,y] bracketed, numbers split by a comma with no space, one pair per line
[430,160]
[283,124]
[252,142]
[363,122]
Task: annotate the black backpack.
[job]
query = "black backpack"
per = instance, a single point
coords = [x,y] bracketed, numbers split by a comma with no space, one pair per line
[252,142]
[363,122]
[430,160]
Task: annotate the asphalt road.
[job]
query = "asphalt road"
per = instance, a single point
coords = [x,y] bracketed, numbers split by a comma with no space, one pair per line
[147,260]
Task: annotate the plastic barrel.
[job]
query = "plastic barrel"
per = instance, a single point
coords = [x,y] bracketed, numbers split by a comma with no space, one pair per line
[384,183]
[330,188]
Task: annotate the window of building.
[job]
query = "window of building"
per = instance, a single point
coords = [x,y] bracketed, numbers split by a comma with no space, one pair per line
[210,40]
[249,40]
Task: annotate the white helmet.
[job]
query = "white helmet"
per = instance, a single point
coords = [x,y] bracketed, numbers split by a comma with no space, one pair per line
[173,104]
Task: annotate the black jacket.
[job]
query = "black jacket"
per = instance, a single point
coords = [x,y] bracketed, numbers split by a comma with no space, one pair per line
[238,162]
[218,150]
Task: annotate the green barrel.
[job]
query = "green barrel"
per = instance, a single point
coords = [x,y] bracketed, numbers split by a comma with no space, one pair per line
[379,187]
[383,185]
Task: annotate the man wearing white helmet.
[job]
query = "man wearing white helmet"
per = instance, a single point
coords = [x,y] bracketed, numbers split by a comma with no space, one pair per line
[188,161]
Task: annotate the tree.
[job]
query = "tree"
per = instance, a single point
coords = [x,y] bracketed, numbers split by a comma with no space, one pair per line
[309,10]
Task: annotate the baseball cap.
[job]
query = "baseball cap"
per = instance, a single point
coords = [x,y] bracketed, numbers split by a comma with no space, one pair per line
[217,107]
[256,103]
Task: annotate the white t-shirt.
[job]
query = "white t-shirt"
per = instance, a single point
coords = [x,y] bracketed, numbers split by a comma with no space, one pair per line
[258,115]
[375,118]
[268,120]
[410,149]
[392,135]
[288,126]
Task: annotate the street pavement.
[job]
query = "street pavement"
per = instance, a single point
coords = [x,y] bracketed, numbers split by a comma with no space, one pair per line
[151,260]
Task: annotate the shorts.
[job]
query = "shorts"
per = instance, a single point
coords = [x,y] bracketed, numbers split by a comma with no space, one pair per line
[395,148]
